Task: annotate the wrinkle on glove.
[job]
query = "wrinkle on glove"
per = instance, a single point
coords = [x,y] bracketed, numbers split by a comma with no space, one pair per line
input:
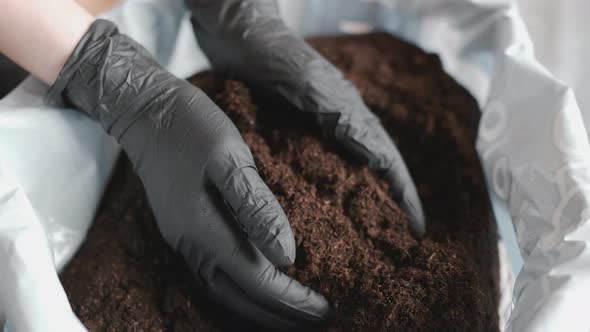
[248,39]
[191,159]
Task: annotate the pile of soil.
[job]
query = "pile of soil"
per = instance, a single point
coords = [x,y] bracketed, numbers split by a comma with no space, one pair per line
[353,241]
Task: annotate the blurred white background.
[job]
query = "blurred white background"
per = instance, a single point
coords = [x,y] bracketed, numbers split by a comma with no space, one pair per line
[560,30]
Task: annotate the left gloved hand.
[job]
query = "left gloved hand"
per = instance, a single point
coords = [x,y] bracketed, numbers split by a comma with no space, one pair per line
[248,39]
[199,177]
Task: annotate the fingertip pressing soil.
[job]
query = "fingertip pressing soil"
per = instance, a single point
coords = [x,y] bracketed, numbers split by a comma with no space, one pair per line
[353,241]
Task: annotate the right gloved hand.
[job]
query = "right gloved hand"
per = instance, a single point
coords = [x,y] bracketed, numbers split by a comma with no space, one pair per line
[249,40]
[190,158]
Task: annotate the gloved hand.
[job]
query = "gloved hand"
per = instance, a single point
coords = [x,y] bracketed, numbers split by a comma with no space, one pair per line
[191,159]
[248,39]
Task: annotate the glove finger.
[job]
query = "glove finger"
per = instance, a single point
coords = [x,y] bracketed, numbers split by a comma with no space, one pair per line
[300,313]
[271,291]
[255,207]
[240,277]
[405,194]
[370,141]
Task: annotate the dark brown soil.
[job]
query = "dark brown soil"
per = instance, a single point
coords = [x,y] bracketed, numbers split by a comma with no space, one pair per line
[354,244]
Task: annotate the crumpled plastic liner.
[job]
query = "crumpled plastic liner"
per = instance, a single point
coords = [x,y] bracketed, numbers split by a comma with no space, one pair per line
[532,140]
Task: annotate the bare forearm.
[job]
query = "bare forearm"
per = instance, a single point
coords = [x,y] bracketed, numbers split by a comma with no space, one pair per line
[40,35]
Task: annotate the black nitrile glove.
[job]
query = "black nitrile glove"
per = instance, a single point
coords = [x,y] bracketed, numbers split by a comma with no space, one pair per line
[248,39]
[191,158]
